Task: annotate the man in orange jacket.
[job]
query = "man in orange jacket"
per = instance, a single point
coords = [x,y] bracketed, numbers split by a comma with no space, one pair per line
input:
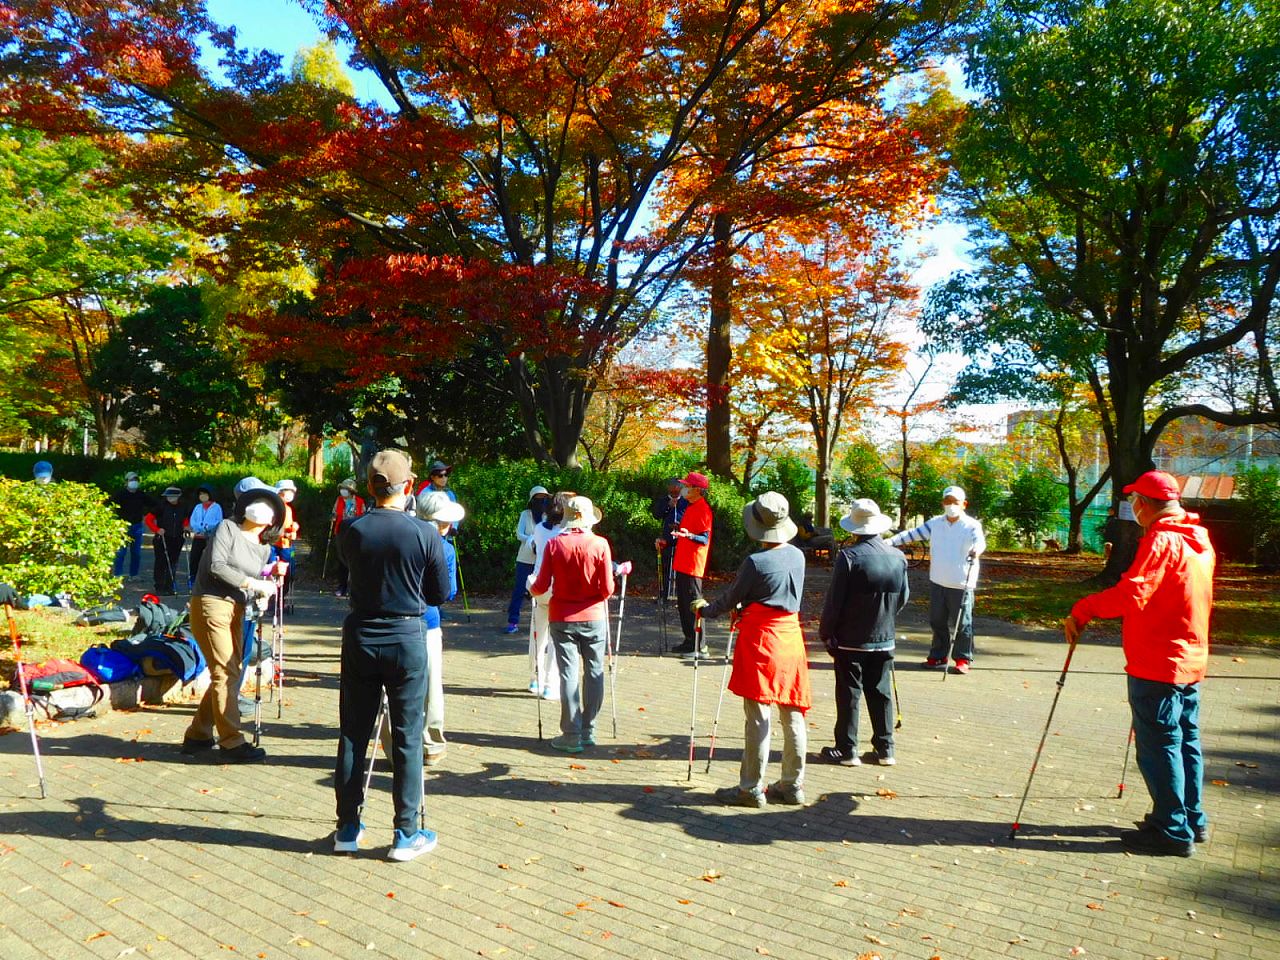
[692,544]
[1164,599]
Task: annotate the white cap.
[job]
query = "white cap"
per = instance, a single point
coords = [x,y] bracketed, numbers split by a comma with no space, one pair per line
[957,492]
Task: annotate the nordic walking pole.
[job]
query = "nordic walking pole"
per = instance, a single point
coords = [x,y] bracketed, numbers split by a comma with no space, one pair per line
[1128,745]
[257,685]
[462,585]
[21,674]
[724,682]
[693,713]
[1062,679]
[328,542]
[897,704]
[662,604]
[373,753]
[955,628]
[609,656]
[624,569]
[537,661]
[277,640]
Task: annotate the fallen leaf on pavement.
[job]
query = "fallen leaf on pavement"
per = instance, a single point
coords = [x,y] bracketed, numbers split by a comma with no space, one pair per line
[1076,952]
[685,902]
[711,876]
[841,883]
[577,766]
[391,894]
[503,866]
[886,793]
[615,903]
[96,936]
[1220,783]
[872,938]
[1094,906]
[130,760]
[1247,766]
[763,951]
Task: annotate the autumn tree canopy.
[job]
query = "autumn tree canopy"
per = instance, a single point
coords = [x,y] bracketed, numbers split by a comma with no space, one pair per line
[510,191]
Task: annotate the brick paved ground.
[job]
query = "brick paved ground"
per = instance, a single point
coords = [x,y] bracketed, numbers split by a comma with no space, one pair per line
[138,852]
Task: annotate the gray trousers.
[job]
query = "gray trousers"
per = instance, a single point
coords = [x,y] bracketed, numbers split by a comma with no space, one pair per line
[755,749]
[575,641]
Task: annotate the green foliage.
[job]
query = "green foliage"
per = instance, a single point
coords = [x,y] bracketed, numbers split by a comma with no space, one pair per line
[985,480]
[182,386]
[924,488]
[495,494]
[867,477]
[1035,497]
[59,538]
[791,477]
[1259,489]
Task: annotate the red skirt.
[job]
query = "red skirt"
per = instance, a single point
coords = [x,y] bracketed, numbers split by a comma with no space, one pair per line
[769,660]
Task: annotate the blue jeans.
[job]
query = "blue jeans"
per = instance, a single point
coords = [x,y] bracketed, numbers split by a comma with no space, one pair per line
[1166,737]
[133,548]
[580,639]
[946,607]
[518,591]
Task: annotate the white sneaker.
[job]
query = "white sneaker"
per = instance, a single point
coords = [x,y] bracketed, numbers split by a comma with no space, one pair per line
[408,846]
[346,839]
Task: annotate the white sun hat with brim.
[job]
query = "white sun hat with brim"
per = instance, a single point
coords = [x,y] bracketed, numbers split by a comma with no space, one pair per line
[865,519]
[438,508]
[581,514]
[768,518]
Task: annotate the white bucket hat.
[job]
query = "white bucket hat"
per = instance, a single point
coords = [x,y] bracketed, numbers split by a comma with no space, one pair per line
[865,519]
[581,514]
[436,507]
[768,518]
[534,491]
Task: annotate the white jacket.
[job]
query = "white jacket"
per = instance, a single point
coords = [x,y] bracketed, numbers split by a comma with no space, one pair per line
[524,533]
[950,543]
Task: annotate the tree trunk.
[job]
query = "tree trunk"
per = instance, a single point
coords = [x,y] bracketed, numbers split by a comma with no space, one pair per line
[1130,457]
[315,457]
[902,478]
[822,482]
[720,349]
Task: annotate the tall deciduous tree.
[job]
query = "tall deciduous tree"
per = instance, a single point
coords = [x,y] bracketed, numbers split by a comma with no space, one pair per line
[509,194]
[73,256]
[1122,167]
[832,306]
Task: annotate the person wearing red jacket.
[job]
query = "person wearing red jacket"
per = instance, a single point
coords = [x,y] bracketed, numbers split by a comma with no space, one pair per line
[1164,599]
[692,541]
[348,506]
[578,570]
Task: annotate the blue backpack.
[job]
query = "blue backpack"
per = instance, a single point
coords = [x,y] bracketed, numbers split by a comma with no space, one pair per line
[109,665]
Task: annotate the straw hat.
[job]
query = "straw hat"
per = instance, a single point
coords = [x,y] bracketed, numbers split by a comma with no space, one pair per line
[865,519]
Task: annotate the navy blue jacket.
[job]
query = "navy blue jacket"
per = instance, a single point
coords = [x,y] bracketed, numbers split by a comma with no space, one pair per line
[868,589]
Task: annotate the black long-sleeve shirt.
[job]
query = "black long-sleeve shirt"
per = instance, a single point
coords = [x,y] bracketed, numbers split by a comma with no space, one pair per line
[397,564]
[868,590]
[774,578]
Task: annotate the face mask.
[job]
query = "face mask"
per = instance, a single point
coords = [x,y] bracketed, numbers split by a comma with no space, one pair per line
[131,485]
[172,500]
[346,494]
[287,496]
[43,478]
[204,498]
[952,509]
[259,512]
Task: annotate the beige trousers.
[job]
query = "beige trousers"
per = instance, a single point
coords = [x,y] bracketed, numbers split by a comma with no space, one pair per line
[218,626]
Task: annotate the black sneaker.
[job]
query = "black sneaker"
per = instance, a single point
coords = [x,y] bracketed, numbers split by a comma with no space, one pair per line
[1201,835]
[683,650]
[836,755]
[191,748]
[245,753]
[781,793]
[737,797]
[882,759]
[1153,843]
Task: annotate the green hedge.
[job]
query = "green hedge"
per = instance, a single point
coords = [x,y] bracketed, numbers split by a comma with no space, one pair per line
[59,538]
[493,493]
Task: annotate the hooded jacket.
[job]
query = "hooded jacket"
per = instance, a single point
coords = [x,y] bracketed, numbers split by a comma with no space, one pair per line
[1164,598]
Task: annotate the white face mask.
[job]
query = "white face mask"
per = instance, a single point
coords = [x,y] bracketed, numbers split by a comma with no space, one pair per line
[952,509]
[346,494]
[131,485]
[287,496]
[172,500]
[259,512]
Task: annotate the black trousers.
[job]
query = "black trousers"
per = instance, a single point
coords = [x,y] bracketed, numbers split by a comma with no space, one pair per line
[168,550]
[376,656]
[688,589]
[859,672]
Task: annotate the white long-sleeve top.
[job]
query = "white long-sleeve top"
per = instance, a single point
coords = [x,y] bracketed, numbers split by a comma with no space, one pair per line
[541,537]
[524,533]
[950,543]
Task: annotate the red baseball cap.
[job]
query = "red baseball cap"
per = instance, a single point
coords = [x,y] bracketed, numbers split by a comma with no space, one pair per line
[696,480]
[1155,484]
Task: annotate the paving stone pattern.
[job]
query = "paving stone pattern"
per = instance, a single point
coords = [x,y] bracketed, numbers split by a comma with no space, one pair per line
[614,853]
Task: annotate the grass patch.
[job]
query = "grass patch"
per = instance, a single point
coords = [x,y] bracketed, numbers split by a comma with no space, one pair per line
[1039,589]
[47,633]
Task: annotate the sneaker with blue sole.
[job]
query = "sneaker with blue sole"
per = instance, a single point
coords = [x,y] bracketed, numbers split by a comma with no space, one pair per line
[408,846]
[346,839]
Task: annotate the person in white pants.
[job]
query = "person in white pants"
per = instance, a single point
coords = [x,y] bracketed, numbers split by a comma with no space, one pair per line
[544,673]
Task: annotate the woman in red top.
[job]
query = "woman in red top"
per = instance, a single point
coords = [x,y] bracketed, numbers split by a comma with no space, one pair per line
[348,506]
[693,543]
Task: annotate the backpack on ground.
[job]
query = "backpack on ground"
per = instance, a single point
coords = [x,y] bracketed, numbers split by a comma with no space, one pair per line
[108,665]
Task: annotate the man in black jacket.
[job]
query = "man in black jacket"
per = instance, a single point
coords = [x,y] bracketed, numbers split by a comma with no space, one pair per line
[398,569]
[868,589]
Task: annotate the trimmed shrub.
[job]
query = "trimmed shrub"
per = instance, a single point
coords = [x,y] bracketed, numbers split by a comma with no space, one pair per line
[59,538]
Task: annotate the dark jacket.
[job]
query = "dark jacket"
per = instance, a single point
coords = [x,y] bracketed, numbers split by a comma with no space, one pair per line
[132,505]
[670,515]
[868,589]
